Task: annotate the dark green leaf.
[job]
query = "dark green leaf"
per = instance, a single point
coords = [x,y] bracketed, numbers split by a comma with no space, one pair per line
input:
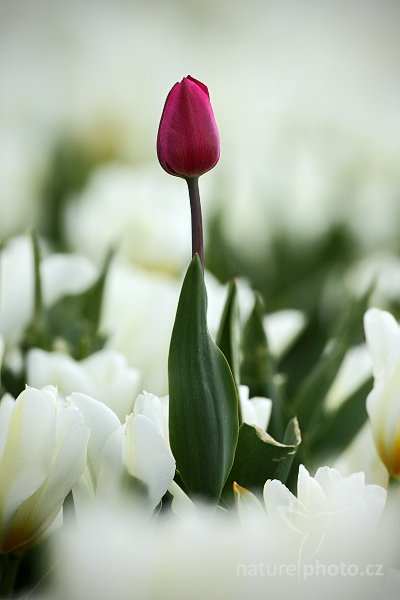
[340,427]
[308,403]
[257,369]
[203,413]
[260,457]
[228,336]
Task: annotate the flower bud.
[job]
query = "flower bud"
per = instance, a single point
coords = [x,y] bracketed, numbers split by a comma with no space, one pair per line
[188,139]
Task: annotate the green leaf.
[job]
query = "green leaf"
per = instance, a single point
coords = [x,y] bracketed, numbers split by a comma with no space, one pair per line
[308,403]
[76,318]
[37,332]
[228,336]
[340,427]
[257,370]
[203,410]
[260,457]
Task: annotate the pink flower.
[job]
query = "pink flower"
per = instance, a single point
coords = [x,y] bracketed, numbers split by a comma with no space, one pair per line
[188,139]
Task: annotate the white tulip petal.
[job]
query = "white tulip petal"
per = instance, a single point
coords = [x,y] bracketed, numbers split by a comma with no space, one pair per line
[6,409]
[28,451]
[114,382]
[383,339]
[58,369]
[309,492]
[38,511]
[282,329]
[278,498]
[256,411]
[102,422]
[64,275]
[181,504]
[147,456]
[112,469]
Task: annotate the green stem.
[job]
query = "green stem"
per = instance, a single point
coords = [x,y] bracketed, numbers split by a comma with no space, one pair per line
[38,299]
[9,570]
[197,221]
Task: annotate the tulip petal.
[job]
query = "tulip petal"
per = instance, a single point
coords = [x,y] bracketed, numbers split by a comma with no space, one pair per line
[188,139]
[28,450]
[383,338]
[102,422]
[38,511]
[147,456]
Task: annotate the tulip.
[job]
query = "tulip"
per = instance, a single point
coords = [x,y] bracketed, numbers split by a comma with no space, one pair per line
[188,139]
[188,144]
[255,411]
[42,455]
[139,448]
[104,375]
[383,403]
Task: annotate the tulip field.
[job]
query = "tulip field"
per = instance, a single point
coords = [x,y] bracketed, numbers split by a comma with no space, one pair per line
[199,300]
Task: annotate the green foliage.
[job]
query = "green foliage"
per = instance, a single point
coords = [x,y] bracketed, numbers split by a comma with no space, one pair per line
[338,428]
[228,336]
[203,413]
[260,457]
[72,321]
[308,402]
[257,369]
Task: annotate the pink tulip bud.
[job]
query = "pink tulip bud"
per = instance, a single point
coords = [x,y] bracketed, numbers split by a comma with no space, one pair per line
[188,138]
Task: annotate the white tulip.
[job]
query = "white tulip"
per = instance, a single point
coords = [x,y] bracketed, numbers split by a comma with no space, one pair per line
[132,210]
[204,554]
[383,402]
[145,447]
[282,329]
[16,287]
[102,423]
[104,375]
[139,448]
[138,315]
[43,444]
[1,351]
[327,509]
[255,411]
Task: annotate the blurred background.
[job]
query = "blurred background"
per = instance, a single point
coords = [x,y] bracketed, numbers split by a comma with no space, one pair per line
[305,200]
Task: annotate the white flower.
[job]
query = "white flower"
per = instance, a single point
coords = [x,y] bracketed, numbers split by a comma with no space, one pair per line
[102,423]
[134,211]
[282,329]
[42,454]
[328,493]
[138,315]
[22,171]
[383,402]
[203,554]
[1,351]
[328,509]
[255,411]
[62,274]
[140,448]
[105,375]
[145,446]
[16,287]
